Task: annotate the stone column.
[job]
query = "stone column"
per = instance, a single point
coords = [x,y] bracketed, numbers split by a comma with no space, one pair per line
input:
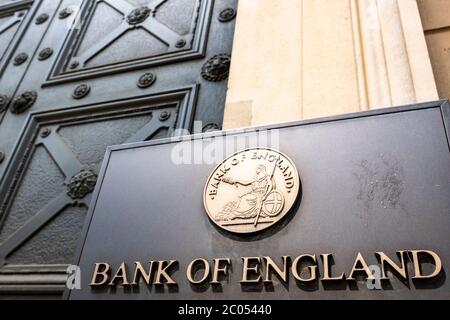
[436,24]
[297,59]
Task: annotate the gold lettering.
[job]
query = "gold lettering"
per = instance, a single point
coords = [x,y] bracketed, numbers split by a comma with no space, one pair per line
[271,265]
[327,268]
[223,171]
[288,175]
[272,158]
[312,268]
[140,272]
[417,265]
[161,273]
[263,156]
[246,269]
[97,273]
[384,259]
[217,269]
[120,274]
[364,268]
[194,265]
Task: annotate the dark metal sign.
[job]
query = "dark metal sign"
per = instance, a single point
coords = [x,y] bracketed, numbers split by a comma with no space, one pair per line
[370,219]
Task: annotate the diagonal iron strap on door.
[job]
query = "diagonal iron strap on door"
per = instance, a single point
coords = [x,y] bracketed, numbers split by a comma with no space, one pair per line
[80,179]
[152,67]
[136,17]
[11,18]
[37,222]
[62,155]
[70,166]
[16,18]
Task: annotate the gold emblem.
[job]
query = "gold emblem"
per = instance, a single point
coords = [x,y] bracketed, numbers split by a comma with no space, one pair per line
[251,190]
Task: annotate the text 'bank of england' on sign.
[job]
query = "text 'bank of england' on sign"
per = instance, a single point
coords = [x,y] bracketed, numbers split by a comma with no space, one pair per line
[303,268]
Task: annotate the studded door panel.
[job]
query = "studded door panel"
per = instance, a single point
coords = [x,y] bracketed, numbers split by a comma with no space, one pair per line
[43,210]
[97,73]
[11,17]
[158,31]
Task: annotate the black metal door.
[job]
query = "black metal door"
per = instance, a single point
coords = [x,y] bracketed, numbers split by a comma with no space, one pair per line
[77,76]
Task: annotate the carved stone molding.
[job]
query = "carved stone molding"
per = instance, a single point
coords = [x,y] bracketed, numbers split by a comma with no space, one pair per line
[379,59]
[227,14]
[20,58]
[146,80]
[81,91]
[138,15]
[217,68]
[33,279]
[4,101]
[81,184]
[23,102]
[395,66]
[45,54]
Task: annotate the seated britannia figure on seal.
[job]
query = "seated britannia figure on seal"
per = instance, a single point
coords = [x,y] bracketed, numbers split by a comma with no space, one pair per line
[249,204]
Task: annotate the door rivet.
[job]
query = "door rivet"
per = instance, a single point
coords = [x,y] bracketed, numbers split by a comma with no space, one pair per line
[74,65]
[146,80]
[42,18]
[4,101]
[180,43]
[45,132]
[164,116]
[81,91]
[23,102]
[65,13]
[20,58]
[217,68]
[227,14]
[45,54]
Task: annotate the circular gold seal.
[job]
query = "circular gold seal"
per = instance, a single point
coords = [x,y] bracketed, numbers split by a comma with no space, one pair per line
[251,190]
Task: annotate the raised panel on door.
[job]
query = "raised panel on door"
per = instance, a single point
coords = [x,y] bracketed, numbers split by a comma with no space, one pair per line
[114,72]
[12,16]
[47,191]
[158,31]
[204,60]
[23,23]
[13,19]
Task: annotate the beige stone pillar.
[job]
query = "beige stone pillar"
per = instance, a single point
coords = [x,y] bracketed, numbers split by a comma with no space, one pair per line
[265,76]
[297,59]
[436,24]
